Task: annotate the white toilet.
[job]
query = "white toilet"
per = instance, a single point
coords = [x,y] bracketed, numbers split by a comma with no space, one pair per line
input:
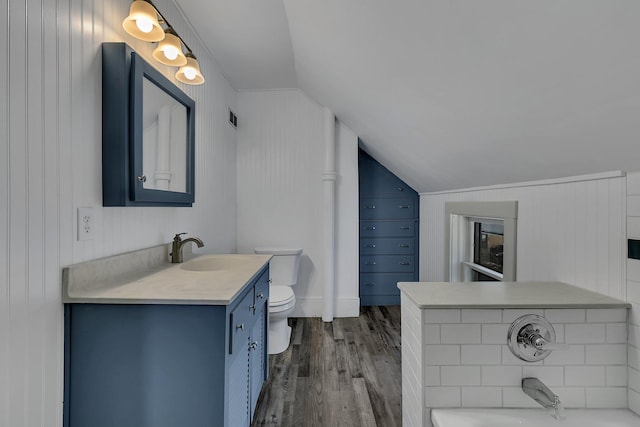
[283,274]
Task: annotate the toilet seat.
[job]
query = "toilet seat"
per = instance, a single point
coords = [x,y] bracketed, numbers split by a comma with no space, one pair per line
[280,298]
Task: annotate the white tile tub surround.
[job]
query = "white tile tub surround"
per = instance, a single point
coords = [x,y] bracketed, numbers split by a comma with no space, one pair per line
[469,364]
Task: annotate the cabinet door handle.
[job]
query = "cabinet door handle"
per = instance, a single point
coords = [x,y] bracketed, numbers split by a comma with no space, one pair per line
[400,189]
[370,206]
[370,263]
[240,326]
[404,246]
[369,228]
[405,263]
[405,228]
[260,296]
[403,207]
[253,345]
[371,246]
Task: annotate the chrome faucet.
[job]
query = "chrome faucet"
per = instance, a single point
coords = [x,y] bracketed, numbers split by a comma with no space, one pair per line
[178,243]
[545,397]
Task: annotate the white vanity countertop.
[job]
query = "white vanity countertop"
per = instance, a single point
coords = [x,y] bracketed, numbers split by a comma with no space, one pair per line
[505,295]
[134,278]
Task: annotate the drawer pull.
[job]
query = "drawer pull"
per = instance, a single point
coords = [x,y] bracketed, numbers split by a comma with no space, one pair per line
[260,296]
[369,228]
[240,326]
[371,246]
[253,345]
[404,246]
[370,263]
[405,263]
[400,189]
[405,228]
[370,206]
[403,207]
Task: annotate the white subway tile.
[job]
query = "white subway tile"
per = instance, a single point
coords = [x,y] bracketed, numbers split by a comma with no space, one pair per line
[509,359]
[509,315]
[606,354]
[481,316]
[441,316]
[501,375]
[584,333]
[441,355]
[481,397]
[616,333]
[606,397]
[442,397]
[494,333]
[633,269]
[634,312]
[584,376]
[607,315]
[431,334]
[514,397]
[633,357]
[432,375]
[633,227]
[555,315]
[633,289]
[467,333]
[634,335]
[460,375]
[633,205]
[571,397]
[575,355]
[634,401]
[552,376]
[481,354]
[634,379]
[616,376]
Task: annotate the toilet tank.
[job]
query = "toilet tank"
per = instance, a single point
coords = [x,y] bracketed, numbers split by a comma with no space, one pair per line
[283,267]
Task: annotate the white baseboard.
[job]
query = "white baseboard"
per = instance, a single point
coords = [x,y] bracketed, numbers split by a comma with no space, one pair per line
[313,306]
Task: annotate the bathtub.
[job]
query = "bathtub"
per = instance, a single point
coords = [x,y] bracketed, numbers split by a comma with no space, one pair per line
[533,418]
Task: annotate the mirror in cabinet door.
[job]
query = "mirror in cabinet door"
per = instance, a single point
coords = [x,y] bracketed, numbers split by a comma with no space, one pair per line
[148,139]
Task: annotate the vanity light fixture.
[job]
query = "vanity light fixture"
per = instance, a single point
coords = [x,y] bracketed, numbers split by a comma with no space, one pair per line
[143,24]
[190,73]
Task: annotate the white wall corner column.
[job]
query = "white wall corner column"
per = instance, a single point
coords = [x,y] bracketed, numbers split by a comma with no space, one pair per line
[329,177]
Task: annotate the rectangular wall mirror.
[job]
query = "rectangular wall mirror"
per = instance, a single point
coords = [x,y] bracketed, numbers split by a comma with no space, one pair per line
[148,134]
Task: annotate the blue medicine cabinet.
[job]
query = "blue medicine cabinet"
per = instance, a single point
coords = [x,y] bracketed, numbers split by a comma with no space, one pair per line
[148,134]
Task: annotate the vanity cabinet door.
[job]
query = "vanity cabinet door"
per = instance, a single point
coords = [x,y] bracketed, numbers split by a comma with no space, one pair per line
[257,356]
[239,390]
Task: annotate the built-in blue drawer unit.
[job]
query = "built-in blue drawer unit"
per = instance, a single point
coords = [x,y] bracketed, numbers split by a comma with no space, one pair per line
[383,283]
[387,263]
[385,208]
[387,246]
[382,228]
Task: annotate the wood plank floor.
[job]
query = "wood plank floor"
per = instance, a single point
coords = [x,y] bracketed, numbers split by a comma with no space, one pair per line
[343,373]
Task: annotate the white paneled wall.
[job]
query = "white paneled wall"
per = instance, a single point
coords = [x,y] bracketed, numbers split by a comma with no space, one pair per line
[633,290]
[280,166]
[567,231]
[50,164]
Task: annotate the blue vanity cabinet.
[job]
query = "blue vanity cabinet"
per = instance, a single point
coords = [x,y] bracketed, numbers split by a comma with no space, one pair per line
[166,365]
[389,220]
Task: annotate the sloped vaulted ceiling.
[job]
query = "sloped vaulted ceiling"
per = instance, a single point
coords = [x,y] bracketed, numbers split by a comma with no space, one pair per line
[452,93]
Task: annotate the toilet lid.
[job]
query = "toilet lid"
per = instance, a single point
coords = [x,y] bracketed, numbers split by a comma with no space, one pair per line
[279,295]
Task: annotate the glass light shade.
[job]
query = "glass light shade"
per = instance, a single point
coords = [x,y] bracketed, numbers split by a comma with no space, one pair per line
[142,22]
[190,73]
[169,50]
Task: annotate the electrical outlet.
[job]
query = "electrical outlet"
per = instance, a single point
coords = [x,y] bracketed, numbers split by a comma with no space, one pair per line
[86,226]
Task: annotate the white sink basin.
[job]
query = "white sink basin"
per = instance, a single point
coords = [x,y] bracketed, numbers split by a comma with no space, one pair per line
[215,263]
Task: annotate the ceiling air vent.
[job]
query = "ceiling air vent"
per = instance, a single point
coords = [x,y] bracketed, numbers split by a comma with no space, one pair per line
[233,119]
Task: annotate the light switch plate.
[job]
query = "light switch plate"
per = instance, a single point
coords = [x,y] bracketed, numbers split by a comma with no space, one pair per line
[86,226]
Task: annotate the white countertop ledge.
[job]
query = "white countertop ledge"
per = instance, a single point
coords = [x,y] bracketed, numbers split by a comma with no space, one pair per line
[505,295]
[146,277]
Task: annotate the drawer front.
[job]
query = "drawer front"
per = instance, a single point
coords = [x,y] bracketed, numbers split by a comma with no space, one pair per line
[240,324]
[383,283]
[387,208]
[387,228]
[387,264]
[262,289]
[387,246]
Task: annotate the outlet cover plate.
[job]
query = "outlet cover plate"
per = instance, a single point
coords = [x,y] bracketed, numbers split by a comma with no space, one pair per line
[86,224]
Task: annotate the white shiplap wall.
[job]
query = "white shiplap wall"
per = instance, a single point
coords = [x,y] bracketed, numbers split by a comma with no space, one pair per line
[633,291]
[569,231]
[50,164]
[280,193]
